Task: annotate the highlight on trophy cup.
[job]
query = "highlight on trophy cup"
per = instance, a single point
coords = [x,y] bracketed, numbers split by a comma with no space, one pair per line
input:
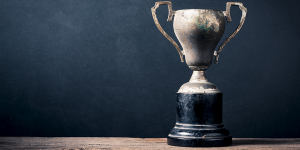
[199,102]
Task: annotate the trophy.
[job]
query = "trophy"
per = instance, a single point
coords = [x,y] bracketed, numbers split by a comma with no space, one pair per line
[199,102]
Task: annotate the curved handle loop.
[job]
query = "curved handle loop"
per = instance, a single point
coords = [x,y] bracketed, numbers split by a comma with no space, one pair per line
[227,14]
[170,16]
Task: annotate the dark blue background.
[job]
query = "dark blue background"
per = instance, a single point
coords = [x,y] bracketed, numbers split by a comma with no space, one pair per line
[102,68]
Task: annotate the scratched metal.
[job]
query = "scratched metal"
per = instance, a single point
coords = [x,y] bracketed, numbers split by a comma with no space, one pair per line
[227,13]
[199,31]
[198,84]
[170,16]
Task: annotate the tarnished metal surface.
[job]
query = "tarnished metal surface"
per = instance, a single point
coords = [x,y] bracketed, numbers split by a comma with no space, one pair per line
[170,16]
[227,12]
[199,31]
[198,84]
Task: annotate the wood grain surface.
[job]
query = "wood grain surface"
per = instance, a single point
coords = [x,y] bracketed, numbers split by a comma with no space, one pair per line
[79,143]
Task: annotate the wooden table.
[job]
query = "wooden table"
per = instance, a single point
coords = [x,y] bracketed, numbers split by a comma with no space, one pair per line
[111,143]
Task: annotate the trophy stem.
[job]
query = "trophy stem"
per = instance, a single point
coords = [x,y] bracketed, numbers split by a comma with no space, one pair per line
[198,76]
[198,84]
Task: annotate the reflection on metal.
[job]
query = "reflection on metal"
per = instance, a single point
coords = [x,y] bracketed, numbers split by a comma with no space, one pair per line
[199,31]
[198,84]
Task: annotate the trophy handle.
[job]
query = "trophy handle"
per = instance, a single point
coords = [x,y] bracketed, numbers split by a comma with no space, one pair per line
[170,16]
[227,14]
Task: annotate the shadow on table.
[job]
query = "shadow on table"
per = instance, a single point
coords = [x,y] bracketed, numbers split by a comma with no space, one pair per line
[237,142]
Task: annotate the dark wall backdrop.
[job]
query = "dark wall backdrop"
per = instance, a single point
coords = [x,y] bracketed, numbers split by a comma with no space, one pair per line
[102,68]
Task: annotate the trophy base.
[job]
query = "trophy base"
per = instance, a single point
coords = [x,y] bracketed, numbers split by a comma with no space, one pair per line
[216,142]
[199,121]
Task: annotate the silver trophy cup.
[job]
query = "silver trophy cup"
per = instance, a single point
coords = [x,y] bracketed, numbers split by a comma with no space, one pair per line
[199,102]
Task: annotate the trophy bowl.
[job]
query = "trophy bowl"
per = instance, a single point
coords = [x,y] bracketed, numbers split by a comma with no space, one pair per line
[199,31]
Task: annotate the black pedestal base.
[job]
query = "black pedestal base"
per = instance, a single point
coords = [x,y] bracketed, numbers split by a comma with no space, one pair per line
[199,121]
[200,142]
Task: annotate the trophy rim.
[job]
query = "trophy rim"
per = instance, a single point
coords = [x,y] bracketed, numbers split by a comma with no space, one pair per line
[198,9]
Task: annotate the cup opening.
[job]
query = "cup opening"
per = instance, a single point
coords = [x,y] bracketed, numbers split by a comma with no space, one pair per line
[198,9]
